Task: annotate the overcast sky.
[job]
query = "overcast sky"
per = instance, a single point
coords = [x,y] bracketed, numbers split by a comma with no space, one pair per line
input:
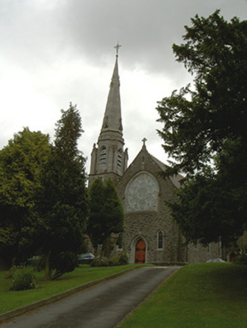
[54,52]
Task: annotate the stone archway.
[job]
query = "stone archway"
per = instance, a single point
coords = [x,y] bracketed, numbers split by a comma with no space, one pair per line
[140,252]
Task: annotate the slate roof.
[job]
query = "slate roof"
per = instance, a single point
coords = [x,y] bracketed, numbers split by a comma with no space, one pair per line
[175,179]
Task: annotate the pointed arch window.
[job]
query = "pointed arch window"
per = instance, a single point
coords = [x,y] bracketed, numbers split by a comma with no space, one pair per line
[102,157]
[119,159]
[160,240]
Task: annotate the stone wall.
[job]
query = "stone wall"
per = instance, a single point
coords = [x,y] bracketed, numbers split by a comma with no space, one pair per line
[199,253]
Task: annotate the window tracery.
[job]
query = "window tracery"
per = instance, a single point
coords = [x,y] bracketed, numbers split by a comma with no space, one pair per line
[142,193]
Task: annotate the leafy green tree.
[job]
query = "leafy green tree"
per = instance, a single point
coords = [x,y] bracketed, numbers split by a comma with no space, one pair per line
[96,216]
[205,130]
[61,211]
[20,165]
[106,213]
[206,210]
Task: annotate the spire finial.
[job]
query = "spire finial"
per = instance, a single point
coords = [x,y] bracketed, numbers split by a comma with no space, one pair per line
[144,141]
[117,46]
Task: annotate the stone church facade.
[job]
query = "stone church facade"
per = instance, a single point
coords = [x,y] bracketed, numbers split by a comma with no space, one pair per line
[150,235]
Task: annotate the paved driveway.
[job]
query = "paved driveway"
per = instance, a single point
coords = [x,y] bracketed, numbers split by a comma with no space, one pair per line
[101,306]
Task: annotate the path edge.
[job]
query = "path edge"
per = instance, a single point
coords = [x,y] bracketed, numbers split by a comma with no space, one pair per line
[145,299]
[16,312]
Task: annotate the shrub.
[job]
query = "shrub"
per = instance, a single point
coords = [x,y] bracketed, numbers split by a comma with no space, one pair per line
[23,278]
[64,262]
[37,262]
[110,262]
[123,258]
[242,257]
[11,272]
[120,259]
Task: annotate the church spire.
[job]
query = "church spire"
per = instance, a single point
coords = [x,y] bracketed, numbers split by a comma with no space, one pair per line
[112,119]
[109,159]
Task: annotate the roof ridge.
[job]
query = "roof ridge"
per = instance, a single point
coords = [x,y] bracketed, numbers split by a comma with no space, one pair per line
[175,179]
[159,161]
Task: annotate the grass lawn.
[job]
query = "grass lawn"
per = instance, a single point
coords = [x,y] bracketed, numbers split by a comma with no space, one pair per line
[211,295]
[10,300]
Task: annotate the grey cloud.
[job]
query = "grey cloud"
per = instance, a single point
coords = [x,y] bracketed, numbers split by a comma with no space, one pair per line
[36,34]
[42,37]
[147,29]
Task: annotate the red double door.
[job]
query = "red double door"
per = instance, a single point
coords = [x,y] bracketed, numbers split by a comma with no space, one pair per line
[140,254]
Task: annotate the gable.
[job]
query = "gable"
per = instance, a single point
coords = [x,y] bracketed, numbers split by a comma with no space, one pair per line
[146,162]
[142,188]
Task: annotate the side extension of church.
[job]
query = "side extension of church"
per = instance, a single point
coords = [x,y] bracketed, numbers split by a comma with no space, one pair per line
[150,235]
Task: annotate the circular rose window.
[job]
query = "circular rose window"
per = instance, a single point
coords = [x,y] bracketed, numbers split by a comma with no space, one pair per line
[142,194]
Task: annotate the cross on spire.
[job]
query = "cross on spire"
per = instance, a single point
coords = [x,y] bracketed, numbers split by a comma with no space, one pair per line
[117,46]
[144,141]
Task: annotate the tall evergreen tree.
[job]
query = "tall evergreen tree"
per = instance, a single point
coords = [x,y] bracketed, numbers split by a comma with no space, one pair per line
[205,128]
[96,218]
[62,209]
[106,213]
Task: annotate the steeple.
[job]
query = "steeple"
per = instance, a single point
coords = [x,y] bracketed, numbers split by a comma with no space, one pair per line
[109,160]
[112,119]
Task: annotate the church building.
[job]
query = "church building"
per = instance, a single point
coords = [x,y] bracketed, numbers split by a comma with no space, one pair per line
[150,235]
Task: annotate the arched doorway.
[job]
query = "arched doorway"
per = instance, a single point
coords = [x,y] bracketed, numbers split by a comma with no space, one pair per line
[140,252]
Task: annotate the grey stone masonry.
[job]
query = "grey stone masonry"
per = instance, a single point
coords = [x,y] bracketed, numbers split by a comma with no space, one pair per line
[143,193]
[108,158]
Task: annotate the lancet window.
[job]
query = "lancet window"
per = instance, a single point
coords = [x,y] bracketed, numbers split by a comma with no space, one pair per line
[119,159]
[160,239]
[102,157]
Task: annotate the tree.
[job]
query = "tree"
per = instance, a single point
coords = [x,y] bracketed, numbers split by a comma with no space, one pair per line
[61,211]
[205,130]
[20,165]
[205,210]
[113,212]
[96,216]
[106,213]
